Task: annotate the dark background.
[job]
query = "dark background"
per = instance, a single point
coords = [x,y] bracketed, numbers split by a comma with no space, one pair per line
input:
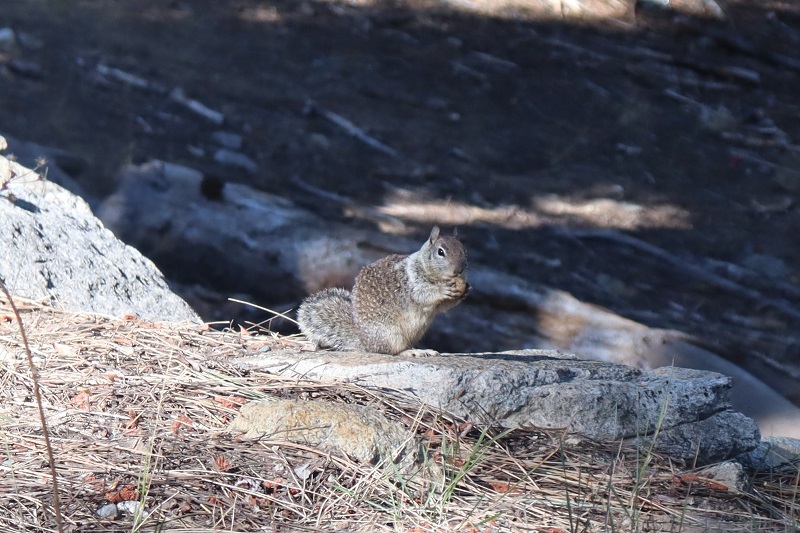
[676,125]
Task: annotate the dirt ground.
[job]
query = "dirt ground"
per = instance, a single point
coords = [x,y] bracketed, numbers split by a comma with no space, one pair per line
[675,125]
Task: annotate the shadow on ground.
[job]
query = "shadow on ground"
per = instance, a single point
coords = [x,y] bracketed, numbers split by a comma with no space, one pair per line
[521,126]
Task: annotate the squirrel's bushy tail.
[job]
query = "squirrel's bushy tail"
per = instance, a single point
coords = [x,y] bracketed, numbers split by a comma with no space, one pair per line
[326,319]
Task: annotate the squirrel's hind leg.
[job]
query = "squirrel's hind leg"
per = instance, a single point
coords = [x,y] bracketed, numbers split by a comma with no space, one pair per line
[326,319]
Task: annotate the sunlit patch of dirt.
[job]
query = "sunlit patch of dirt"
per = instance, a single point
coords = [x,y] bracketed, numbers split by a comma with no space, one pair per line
[545,210]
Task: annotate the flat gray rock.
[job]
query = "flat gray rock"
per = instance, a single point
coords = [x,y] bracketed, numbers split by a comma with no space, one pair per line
[688,412]
[54,249]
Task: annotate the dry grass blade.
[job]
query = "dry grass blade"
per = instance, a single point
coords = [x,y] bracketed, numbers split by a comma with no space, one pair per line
[38,395]
[138,415]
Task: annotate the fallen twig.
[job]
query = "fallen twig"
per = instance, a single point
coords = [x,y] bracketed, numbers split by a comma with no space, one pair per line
[731,72]
[740,44]
[492,62]
[177,95]
[685,265]
[777,138]
[37,393]
[680,75]
[129,79]
[461,68]
[581,50]
[751,277]
[351,129]
[350,204]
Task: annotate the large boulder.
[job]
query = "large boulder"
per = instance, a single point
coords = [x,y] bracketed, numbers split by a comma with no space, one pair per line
[54,249]
[685,413]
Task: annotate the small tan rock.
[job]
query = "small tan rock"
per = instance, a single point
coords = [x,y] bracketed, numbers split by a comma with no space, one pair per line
[730,473]
[356,431]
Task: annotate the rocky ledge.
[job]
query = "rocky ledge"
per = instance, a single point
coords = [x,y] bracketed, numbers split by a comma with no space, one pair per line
[683,413]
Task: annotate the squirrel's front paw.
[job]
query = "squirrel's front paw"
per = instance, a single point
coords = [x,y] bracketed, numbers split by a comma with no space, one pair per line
[457,288]
[467,290]
[460,288]
[418,352]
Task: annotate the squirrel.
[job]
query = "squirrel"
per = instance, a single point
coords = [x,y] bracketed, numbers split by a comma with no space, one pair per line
[393,302]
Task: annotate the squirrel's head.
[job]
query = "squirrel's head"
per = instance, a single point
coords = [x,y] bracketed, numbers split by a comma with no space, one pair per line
[446,256]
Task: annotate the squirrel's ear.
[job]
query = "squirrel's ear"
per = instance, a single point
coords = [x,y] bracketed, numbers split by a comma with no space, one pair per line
[455,231]
[434,234]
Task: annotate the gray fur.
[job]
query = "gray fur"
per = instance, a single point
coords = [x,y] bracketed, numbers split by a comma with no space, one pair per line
[394,300]
[326,318]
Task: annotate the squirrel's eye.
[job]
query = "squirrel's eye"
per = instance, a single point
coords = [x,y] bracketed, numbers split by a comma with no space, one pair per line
[440,251]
